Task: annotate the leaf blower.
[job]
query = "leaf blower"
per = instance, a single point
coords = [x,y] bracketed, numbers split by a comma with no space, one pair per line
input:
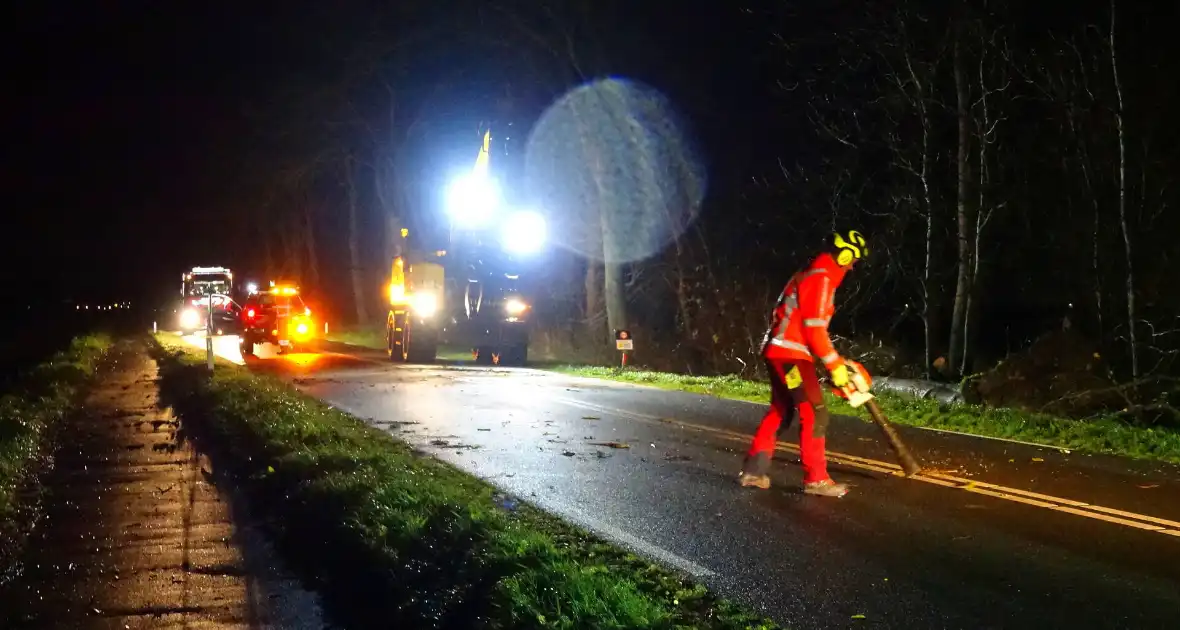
[856,392]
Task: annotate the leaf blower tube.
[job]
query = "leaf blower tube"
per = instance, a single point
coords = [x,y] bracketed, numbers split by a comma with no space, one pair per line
[856,392]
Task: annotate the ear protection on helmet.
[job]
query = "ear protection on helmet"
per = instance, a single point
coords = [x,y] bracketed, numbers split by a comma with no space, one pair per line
[849,246]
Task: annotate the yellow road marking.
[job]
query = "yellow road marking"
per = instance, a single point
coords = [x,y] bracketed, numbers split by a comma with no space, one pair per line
[1016,495]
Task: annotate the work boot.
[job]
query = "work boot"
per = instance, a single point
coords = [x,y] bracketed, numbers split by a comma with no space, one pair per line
[825,488]
[754,471]
[758,481]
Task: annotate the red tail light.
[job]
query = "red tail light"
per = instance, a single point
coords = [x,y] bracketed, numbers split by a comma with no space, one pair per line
[249,313]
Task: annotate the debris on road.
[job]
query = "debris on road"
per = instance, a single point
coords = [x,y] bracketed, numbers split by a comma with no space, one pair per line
[611,444]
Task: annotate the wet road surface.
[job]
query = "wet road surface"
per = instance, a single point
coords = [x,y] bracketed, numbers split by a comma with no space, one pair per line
[999,535]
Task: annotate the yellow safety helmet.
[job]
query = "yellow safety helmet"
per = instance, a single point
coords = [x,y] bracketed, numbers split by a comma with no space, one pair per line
[850,246]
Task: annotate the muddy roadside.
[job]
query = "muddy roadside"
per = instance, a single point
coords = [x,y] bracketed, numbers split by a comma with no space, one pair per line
[135,533]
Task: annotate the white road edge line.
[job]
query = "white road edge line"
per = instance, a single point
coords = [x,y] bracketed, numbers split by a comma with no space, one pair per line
[641,546]
[611,532]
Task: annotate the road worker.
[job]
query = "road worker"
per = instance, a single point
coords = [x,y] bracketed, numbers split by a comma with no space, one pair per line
[797,337]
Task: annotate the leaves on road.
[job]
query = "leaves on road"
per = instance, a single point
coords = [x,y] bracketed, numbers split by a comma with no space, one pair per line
[611,444]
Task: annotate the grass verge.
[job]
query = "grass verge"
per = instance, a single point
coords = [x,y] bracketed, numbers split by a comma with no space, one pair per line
[1107,435]
[362,336]
[41,397]
[395,538]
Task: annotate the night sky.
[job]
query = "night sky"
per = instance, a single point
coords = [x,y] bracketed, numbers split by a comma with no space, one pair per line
[129,120]
[126,114]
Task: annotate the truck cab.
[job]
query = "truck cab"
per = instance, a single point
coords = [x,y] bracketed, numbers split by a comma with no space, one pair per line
[417,308]
[200,289]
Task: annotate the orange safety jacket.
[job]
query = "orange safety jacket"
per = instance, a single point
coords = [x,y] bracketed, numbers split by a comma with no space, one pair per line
[799,322]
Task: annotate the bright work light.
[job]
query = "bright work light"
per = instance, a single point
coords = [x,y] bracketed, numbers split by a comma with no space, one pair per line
[523,233]
[472,200]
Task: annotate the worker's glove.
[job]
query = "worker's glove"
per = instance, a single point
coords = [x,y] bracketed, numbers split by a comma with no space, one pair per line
[839,375]
[858,376]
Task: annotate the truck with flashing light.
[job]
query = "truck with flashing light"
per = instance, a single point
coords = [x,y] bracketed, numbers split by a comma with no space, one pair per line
[200,289]
[470,294]
[277,316]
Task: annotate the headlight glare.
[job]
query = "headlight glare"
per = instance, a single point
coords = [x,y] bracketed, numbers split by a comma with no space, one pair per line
[515,307]
[424,304]
[190,318]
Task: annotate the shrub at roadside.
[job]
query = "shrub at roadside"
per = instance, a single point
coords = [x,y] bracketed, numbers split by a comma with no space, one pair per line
[1103,434]
[41,397]
[395,538]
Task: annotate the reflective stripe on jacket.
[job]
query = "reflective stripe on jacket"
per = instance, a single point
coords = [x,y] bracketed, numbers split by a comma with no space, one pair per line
[799,321]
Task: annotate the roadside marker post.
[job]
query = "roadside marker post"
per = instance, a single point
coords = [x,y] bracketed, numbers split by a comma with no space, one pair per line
[624,343]
[209,333]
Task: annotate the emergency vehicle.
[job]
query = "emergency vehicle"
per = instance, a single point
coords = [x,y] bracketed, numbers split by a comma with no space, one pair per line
[278,316]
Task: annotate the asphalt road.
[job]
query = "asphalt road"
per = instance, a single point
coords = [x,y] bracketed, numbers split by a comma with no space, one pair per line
[997,535]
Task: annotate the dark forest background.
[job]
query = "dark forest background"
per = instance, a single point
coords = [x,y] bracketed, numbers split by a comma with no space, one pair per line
[1013,164]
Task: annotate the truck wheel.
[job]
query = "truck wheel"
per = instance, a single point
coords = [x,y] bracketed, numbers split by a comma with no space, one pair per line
[247,348]
[420,344]
[423,351]
[391,349]
[483,355]
[516,355]
[397,339]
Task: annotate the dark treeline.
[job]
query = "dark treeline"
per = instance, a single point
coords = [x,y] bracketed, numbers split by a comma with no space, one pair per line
[1014,165]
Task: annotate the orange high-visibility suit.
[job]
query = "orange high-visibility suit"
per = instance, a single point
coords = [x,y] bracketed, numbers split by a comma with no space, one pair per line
[798,335]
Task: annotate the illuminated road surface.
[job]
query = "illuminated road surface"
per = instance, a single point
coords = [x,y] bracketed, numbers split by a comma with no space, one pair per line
[1001,535]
